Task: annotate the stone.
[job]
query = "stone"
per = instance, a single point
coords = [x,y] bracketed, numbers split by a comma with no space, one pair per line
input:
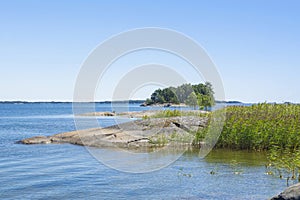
[291,193]
[37,140]
[131,134]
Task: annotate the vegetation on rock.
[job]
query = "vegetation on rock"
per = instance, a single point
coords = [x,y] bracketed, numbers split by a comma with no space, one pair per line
[201,95]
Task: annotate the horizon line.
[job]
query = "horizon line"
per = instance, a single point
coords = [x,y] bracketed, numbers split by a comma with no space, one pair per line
[132,100]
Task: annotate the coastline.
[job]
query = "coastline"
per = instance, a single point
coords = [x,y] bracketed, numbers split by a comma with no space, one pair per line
[149,130]
[137,114]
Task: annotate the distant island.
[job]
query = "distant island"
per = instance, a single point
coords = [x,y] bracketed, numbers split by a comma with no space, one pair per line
[199,95]
[133,101]
[100,102]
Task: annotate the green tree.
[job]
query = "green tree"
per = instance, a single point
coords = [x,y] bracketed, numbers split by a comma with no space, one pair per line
[180,94]
[183,91]
[205,101]
[160,98]
[205,89]
[208,89]
[157,97]
[192,100]
[148,101]
[168,94]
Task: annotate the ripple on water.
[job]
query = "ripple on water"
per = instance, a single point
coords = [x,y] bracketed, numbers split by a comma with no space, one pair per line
[70,172]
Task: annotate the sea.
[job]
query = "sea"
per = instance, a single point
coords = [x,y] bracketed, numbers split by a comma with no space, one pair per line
[65,171]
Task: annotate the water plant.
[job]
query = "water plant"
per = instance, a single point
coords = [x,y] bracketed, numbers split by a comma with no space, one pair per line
[284,163]
[261,126]
[274,128]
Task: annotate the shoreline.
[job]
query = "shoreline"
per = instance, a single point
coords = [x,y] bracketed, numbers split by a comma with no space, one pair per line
[180,105]
[150,130]
[137,114]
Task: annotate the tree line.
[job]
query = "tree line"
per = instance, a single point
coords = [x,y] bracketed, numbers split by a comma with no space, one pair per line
[201,95]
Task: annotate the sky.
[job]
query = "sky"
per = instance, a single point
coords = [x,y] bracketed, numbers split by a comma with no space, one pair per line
[255,45]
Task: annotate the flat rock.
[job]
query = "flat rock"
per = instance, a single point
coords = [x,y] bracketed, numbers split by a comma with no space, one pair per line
[134,114]
[37,140]
[138,133]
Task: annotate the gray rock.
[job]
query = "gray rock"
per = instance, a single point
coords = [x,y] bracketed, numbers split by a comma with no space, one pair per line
[138,133]
[291,193]
[37,140]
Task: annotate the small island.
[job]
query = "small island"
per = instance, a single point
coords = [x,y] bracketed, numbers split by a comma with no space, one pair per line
[195,96]
[151,128]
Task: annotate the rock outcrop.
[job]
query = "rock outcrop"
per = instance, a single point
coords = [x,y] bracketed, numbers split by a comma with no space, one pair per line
[291,193]
[139,133]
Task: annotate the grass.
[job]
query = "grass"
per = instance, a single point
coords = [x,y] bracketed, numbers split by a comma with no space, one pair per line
[174,137]
[260,127]
[159,141]
[180,139]
[274,128]
[178,113]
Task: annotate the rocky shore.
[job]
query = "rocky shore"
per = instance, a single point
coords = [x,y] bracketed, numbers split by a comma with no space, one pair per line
[291,193]
[146,132]
[137,114]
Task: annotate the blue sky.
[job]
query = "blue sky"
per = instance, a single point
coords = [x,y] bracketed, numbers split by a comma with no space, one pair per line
[254,44]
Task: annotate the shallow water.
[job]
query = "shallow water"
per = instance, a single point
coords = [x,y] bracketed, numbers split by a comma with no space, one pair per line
[71,172]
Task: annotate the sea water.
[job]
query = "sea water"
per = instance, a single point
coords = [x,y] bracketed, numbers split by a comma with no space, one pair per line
[65,171]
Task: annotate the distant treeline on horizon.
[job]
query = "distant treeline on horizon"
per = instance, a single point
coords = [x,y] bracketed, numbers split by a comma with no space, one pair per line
[123,101]
[101,102]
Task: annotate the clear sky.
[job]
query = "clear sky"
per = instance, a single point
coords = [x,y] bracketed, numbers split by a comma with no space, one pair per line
[254,44]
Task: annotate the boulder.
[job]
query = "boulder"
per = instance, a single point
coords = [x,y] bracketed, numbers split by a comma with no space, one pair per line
[291,193]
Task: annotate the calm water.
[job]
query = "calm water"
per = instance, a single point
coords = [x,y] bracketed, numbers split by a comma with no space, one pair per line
[70,172]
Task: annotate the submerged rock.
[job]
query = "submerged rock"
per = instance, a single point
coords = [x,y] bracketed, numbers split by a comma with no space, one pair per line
[291,193]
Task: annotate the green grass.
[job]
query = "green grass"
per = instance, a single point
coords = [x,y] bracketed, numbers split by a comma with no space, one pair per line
[178,113]
[274,128]
[260,127]
[159,141]
[179,139]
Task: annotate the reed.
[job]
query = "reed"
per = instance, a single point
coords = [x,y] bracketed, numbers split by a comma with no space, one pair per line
[274,128]
[261,127]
